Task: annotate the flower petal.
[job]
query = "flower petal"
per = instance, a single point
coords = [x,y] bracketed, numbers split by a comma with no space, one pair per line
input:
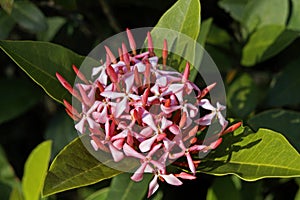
[171,179]
[146,144]
[112,95]
[204,103]
[153,186]
[138,174]
[185,176]
[129,151]
[116,154]
[121,107]
[190,162]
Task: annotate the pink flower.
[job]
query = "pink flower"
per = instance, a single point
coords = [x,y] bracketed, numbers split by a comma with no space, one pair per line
[133,106]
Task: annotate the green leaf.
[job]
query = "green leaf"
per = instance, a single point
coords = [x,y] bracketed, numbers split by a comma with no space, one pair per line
[75,167]
[260,13]
[242,96]
[122,187]
[266,42]
[61,131]
[41,60]
[54,25]
[7,5]
[236,8]
[221,186]
[35,171]
[13,104]
[7,23]
[99,195]
[252,156]
[294,22]
[183,17]
[283,87]
[29,16]
[283,121]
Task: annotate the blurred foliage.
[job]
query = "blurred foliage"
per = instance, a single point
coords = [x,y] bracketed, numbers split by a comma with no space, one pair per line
[255,44]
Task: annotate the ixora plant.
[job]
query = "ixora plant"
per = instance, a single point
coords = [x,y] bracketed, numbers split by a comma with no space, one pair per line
[137,108]
[136,114]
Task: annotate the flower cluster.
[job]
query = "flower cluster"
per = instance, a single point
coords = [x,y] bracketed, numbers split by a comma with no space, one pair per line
[134,107]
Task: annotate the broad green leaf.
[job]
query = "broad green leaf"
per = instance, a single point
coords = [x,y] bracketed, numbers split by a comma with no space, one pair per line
[54,24]
[221,186]
[201,40]
[7,5]
[41,60]
[29,16]
[7,23]
[236,8]
[294,22]
[266,42]
[283,87]
[182,18]
[75,167]
[283,121]
[35,171]
[99,195]
[259,13]
[123,188]
[61,131]
[13,104]
[252,156]
[242,96]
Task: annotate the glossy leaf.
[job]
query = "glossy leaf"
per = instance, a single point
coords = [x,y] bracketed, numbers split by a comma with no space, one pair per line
[99,195]
[242,96]
[75,167]
[7,5]
[6,24]
[54,25]
[252,156]
[283,87]
[283,121]
[35,171]
[183,17]
[294,22]
[13,104]
[41,60]
[122,187]
[29,16]
[265,43]
[61,131]
[260,13]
